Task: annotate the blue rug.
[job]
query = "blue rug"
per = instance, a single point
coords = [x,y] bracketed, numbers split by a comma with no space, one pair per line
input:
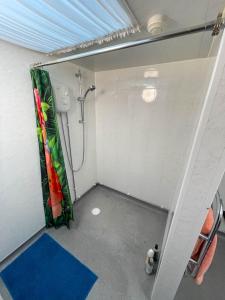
[46,271]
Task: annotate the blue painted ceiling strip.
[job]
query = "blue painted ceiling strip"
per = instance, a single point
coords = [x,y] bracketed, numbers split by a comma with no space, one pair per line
[49,25]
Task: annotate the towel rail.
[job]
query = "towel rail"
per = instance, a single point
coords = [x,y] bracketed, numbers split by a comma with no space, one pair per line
[194,265]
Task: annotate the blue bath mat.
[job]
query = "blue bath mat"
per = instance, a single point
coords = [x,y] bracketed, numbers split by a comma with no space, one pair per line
[46,271]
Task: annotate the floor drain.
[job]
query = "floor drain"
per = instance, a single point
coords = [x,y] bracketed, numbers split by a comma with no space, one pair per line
[96,211]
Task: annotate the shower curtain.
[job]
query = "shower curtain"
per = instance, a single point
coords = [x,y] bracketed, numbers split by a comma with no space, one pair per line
[56,194]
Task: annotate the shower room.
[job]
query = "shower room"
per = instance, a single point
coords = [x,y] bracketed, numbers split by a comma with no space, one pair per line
[113,147]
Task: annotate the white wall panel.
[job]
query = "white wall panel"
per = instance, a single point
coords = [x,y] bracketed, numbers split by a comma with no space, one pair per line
[21,212]
[141,147]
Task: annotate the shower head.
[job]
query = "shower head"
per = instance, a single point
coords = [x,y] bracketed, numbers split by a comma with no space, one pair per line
[91,88]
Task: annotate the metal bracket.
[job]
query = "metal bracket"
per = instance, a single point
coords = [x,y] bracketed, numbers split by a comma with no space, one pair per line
[219,24]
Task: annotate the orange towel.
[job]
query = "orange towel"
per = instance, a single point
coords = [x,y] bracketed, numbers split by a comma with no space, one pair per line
[211,251]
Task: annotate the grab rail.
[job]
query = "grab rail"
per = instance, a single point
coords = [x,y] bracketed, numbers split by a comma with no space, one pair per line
[194,265]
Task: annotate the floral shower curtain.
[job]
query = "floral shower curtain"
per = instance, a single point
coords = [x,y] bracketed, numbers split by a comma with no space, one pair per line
[56,194]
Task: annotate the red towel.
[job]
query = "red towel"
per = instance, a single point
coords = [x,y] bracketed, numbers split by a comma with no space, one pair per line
[207,226]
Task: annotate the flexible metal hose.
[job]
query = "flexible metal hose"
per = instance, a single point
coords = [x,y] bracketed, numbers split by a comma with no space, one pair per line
[68,147]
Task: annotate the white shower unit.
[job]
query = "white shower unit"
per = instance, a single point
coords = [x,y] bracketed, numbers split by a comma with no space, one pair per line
[63,97]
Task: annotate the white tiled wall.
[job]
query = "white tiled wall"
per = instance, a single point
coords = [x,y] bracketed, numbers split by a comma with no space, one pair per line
[142,147]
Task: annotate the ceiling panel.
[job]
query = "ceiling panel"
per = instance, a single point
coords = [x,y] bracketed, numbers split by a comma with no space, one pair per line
[49,25]
[180,14]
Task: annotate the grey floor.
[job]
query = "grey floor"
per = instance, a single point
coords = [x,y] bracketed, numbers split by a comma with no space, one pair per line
[113,244]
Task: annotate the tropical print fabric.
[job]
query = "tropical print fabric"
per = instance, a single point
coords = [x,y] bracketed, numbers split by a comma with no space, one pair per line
[56,194]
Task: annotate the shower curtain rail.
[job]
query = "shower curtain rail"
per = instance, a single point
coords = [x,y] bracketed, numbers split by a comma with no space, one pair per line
[215,26]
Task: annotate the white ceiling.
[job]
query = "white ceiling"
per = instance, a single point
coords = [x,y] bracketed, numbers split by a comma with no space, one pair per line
[180,13]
